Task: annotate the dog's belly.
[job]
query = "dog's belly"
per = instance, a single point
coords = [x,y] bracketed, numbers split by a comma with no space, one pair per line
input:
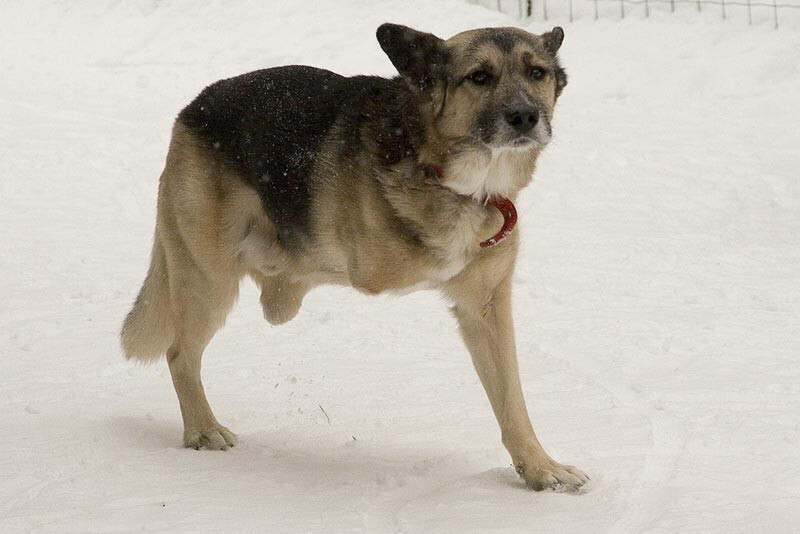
[378,256]
[405,271]
[435,277]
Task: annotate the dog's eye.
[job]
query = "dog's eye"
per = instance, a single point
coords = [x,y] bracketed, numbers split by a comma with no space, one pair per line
[480,77]
[536,73]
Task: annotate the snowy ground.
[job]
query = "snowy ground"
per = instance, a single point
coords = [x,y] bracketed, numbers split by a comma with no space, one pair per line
[657,297]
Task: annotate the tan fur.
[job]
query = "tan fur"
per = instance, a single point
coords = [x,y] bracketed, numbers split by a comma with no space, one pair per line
[482,296]
[148,329]
[212,230]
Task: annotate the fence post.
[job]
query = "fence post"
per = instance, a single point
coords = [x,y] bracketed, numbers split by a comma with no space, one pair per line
[622,8]
[749,13]
[775,12]
[647,9]
[672,6]
[723,10]
[570,11]
[544,9]
[699,6]
[596,12]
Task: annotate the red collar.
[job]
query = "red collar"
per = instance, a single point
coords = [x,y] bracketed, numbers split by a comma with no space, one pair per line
[503,205]
[509,212]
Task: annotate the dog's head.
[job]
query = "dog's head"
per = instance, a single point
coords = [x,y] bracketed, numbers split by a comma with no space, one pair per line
[492,88]
[485,100]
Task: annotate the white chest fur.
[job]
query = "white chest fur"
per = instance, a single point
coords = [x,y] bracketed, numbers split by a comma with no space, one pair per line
[484,173]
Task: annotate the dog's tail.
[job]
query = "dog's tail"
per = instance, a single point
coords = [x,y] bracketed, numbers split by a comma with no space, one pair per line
[148,330]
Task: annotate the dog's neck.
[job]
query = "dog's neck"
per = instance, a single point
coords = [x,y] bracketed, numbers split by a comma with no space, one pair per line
[503,204]
[482,174]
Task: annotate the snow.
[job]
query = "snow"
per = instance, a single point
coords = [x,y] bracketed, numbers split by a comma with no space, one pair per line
[657,296]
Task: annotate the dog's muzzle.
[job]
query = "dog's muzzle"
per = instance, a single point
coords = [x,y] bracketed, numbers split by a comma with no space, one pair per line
[522,120]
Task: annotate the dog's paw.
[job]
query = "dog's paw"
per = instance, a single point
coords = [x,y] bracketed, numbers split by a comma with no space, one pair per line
[214,438]
[553,476]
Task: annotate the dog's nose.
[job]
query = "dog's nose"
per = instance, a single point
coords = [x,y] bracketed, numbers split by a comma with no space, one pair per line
[522,119]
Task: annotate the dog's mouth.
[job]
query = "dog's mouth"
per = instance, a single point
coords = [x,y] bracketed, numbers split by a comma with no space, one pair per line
[537,138]
[525,141]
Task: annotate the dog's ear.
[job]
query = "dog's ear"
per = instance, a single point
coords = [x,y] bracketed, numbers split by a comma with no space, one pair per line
[419,57]
[552,40]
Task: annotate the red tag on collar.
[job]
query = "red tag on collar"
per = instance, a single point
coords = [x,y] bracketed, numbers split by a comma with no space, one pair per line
[506,207]
[434,170]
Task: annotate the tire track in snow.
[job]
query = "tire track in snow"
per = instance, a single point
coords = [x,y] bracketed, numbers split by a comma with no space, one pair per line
[384,515]
[648,495]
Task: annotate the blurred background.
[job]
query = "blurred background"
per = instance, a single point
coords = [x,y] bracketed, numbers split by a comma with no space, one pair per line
[753,11]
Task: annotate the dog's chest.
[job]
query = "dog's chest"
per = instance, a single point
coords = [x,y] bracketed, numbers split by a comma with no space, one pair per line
[395,267]
[450,250]
[458,246]
[482,174]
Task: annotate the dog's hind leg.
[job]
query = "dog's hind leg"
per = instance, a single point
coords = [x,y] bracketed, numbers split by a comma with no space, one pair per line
[280,297]
[200,304]
[203,215]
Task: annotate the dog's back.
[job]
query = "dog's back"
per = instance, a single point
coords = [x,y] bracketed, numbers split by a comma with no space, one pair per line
[269,126]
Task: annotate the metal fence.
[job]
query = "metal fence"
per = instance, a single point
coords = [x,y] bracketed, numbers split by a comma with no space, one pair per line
[572,9]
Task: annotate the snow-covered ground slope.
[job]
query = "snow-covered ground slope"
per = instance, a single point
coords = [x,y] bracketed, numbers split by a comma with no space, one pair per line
[657,298]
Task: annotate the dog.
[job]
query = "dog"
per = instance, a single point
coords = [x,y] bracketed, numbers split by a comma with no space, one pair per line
[297,177]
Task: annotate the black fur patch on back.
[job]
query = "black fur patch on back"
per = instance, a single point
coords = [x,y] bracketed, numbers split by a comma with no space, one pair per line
[271,123]
[382,121]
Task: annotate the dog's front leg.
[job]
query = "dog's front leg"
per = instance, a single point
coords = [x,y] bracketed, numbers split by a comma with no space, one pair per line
[483,310]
